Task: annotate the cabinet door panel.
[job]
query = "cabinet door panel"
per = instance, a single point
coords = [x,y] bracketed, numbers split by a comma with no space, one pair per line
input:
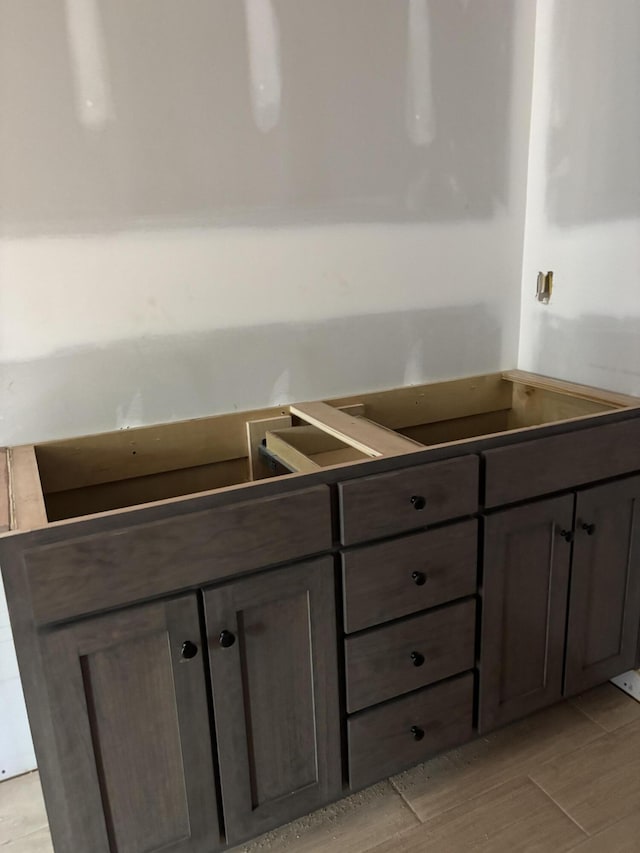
[275,692]
[604,608]
[524,602]
[133,730]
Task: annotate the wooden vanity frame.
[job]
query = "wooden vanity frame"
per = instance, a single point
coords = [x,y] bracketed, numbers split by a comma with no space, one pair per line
[145,465]
[295,530]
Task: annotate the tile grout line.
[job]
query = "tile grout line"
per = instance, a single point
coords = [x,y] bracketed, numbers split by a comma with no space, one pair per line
[560,808]
[588,717]
[406,801]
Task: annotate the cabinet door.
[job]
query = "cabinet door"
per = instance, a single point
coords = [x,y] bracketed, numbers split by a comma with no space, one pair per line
[132,733]
[524,608]
[273,656]
[604,605]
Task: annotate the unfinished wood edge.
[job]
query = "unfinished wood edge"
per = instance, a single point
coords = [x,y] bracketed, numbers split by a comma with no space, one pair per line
[366,436]
[5,501]
[27,506]
[355,410]
[572,389]
[256,434]
[393,434]
[290,455]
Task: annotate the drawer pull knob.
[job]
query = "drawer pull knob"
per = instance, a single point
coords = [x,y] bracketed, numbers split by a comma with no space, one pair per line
[419,578]
[417,732]
[589,529]
[567,535]
[417,659]
[418,502]
[227,639]
[189,650]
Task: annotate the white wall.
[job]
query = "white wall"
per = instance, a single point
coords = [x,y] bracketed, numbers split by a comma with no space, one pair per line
[211,205]
[181,248]
[583,207]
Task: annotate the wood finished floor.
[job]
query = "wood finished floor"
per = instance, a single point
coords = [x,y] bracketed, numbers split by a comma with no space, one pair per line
[567,779]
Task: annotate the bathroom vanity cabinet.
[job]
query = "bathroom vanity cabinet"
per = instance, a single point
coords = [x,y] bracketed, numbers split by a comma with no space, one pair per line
[225,623]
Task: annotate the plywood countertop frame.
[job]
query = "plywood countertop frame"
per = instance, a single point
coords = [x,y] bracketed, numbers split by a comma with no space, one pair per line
[138,468]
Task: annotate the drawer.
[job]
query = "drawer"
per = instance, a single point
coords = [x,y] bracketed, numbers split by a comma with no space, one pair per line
[393,579]
[385,740]
[127,564]
[384,504]
[546,465]
[417,651]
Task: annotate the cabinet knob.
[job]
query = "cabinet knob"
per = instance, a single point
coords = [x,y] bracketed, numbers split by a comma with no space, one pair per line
[418,502]
[567,535]
[419,578]
[227,639]
[189,650]
[589,529]
[417,659]
[417,732]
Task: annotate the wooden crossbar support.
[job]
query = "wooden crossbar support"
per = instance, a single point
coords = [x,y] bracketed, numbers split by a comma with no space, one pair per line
[366,436]
[290,455]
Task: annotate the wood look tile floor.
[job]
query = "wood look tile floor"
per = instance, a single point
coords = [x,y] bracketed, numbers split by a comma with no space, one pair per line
[566,779]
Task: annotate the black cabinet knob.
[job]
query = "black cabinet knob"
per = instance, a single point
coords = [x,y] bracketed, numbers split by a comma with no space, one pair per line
[418,502]
[567,535]
[227,639]
[417,732]
[419,578]
[189,650]
[417,659]
[589,529]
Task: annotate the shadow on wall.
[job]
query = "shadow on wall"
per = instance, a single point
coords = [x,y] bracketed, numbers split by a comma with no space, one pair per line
[594,349]
[120,114]
[594,142]
[150,381]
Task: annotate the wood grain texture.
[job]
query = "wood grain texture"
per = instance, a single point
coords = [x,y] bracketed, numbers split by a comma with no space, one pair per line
[5,504]
[141,451]
[533,406]
[289,455]
[275,695]
[379,665]
[256,434]
[132,729]
[377,579]
[515,817]
[365,435]
[108,569]
[437,401]
[604,606]
[597,784]
[545,465]
[442,432]
[524,606]
[28,511]
[381,742]
[317,446]
[103,497]
[571,389]
[381,505]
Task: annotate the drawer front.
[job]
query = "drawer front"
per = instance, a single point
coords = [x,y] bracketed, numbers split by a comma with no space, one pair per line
[384,582]
[384,504]
[546,465]
[395,659]
[129,564]
[388,739]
